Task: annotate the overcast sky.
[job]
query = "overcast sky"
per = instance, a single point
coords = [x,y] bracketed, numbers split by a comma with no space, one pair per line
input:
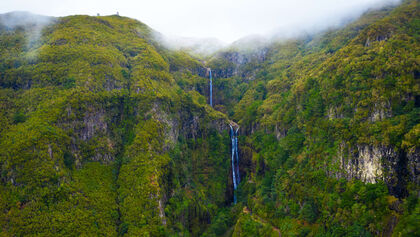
[227,20]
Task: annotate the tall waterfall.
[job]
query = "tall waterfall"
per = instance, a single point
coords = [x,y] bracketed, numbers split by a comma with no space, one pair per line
[235,162]
[237,156]
[211,89]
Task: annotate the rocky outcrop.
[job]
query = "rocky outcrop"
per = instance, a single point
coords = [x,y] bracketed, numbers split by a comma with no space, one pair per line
[94,122]
[372,164]
[90,134]
[362,163]
[233,63]
[187,123]
[334,113]
[380,111]
[413,166]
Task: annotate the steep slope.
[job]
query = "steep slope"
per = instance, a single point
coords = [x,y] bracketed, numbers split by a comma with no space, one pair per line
[104,131]
[92,126]
[332,130]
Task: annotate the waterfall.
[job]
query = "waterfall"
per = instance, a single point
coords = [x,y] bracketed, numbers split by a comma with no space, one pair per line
[235,165]
[211,89]
[237,156]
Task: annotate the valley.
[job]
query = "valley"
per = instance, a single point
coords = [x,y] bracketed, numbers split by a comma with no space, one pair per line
[105,131]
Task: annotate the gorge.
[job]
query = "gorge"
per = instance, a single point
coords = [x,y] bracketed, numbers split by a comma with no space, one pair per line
[107,131]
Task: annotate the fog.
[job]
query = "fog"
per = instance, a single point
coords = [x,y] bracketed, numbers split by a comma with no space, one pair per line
[203,26]
[31,23]
[226,20]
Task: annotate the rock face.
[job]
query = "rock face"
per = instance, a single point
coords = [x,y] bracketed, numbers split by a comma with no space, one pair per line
[188,124]
[201,71]
[90,126]
[362,163]
[413,166]
[233,63]
[94,122]
[372,164]
[380,111]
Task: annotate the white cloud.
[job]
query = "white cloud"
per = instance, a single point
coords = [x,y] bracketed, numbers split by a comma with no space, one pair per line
[227,20]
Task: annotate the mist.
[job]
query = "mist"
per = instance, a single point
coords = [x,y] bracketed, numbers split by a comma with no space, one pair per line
[32,24]
[310,22]
[320,22]
[205,26]
[225,20]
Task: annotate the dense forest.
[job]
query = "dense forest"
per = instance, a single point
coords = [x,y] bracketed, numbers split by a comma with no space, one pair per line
[105,131]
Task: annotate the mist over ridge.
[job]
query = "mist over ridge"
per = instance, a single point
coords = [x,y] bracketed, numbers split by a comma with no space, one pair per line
[227,21]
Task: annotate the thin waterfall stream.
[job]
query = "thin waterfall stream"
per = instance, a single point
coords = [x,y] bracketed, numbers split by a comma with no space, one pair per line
[235,162]
[234,138]
[237,156]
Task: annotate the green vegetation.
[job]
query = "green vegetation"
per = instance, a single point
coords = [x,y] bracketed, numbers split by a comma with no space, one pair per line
[90,116]
[106,132]
[322,100]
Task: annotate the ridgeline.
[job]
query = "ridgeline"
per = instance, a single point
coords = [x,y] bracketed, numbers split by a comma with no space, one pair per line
[105,131]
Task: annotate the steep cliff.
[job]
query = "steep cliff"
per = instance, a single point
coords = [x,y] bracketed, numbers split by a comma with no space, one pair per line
[331,124]
[91,118]
[104,131]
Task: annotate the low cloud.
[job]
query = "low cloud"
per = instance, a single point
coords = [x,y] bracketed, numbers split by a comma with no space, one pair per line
[202,46]
[296,22]
[336,18]
[32,24]
[203,26]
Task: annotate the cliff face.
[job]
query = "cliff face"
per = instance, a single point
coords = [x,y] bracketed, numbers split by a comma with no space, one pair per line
[372,164]
[366,164]
[413,164]
[331,122]
[237,63]
[104,127]
[304,85]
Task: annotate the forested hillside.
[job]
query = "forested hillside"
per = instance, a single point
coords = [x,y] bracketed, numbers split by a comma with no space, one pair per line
[92,127]
[105,131]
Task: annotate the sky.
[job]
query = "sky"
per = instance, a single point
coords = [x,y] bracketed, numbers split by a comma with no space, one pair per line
[226,20]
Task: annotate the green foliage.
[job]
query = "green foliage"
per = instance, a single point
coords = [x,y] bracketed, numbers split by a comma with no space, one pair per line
[408,225]
[84,143]
[353,86]
[199,173]
[19,117]
[139,181]
[105,132]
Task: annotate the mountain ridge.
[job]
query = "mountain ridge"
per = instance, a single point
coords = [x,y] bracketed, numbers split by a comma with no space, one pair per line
[106,131]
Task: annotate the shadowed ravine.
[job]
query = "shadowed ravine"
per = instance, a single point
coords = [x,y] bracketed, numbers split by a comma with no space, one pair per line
[234,144]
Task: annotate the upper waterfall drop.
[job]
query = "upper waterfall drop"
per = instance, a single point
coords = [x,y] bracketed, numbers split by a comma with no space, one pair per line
[237,156]
[211,88]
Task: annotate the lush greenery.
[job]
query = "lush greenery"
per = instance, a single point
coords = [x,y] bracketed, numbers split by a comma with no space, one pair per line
[341,90]
[106,132]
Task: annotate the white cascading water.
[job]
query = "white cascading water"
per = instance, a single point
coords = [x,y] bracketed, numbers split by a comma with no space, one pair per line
[235,165]
[237,156]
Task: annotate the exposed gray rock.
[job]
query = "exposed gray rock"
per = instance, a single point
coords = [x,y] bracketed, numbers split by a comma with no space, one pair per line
[378,163]
[364,163]
[334,113]
[380,111]
[413,165]
[234,62]
[94,122]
